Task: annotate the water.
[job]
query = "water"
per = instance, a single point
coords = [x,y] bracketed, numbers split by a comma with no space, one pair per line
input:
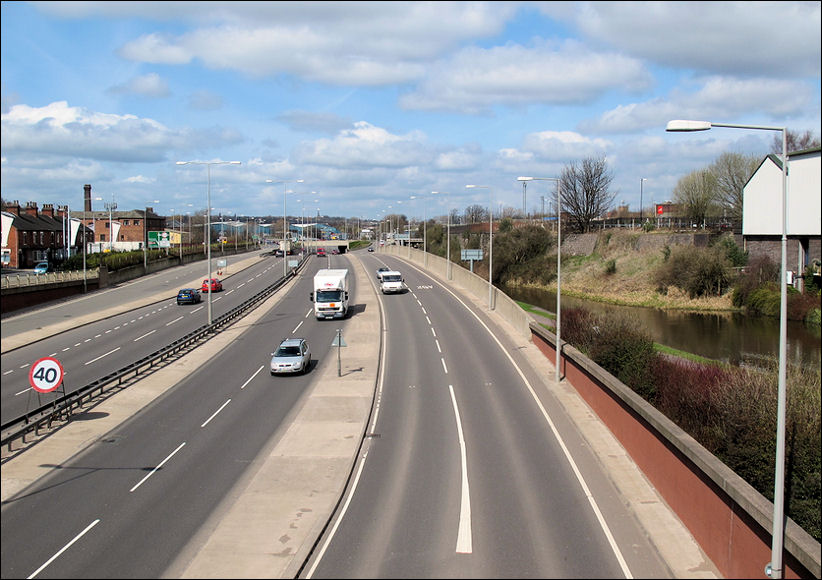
[729,337]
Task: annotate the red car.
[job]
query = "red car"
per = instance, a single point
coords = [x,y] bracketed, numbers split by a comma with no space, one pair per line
[216,285]
[320,252]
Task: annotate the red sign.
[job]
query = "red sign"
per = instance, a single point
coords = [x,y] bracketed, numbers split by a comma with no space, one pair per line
[659,210]
[46,374]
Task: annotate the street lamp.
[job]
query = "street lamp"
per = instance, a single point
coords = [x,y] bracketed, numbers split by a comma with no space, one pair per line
[640,200]
[111,206]
[490,241]
[145,236]
[285,265]
[208,165]
[774,568]
[558,376]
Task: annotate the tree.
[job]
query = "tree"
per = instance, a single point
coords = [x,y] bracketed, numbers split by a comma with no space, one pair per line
[795,141]
[585,193]
[475,214]
[731,172]
[697,194]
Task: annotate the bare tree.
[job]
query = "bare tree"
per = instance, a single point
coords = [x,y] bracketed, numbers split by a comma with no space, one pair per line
[795,141]
[732,171]
[697,194]
[585,192]
[475,214]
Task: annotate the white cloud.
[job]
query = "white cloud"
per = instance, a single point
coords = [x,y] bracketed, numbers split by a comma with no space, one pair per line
[78,132]
[718,98]
[564,146]
[364,146]
[739,38]
[475,79]
[149,85]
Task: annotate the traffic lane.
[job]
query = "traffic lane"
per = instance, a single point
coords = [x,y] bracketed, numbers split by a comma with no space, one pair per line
[98,349]
[186,490]
[404,512]
[641,555]
[26,327]
[522,486]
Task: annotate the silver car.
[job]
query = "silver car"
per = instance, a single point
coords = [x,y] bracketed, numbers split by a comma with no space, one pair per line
[291,357]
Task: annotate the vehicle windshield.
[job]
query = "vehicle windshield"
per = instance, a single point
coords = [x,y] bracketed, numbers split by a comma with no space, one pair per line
[288,351]
[391,278]
[329,295]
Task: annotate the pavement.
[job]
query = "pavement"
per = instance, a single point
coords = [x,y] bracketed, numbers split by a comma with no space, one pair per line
[267,525]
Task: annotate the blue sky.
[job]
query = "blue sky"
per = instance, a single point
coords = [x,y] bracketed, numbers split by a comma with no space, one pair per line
[373,103]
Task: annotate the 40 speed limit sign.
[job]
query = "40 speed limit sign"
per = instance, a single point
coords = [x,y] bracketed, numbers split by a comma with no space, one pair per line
[46,375]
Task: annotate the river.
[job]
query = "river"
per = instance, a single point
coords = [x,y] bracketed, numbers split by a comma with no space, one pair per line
[729,337]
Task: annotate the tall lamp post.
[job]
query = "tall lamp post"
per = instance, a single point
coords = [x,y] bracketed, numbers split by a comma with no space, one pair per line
[640,199]
[110,207]
[285,228]
[559,264]
[208,165]
[145,236]
[774,568]
[490,242]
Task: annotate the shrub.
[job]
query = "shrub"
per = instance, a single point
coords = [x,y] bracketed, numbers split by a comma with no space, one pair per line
[610,267]
[697,271]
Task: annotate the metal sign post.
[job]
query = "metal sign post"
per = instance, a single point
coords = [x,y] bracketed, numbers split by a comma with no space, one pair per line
[339,343]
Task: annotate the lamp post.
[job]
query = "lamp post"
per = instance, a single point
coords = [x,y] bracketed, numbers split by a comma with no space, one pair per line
[285,183]
[640,199]
[110,207]
[559,264]
[490,241]
[145,236]
[208,165]
[774,568]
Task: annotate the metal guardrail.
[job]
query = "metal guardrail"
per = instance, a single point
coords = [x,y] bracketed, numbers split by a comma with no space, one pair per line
[23,279]
[61,407]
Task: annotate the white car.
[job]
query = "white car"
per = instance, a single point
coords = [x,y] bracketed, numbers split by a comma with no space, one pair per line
[292,356]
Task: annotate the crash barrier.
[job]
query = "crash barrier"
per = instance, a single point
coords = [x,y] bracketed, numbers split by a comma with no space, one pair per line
[730,520]
[62,407]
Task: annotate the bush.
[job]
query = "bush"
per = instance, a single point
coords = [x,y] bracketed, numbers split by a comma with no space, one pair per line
[697,271]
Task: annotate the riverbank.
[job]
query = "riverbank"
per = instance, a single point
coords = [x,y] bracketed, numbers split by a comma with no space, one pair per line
[621,275]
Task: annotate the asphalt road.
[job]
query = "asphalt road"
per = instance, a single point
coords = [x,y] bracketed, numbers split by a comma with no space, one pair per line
[269,492]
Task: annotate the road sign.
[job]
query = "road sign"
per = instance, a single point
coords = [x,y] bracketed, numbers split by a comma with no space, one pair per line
[471,254]
[46,375]
[159,240]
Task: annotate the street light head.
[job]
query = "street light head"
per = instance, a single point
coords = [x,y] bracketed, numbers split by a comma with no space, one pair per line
[182,163]
[679,125]
[525,179]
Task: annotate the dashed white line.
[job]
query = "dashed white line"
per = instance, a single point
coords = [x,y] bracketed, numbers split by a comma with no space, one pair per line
[145,335]
[64,548]
[102,356]
[156,468]
[215,413]
[179,318]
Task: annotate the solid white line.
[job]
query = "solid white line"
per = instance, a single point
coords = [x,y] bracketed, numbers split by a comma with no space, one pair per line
[102,356]
[158,467]
[64,548]
[145,335]
[252,377]
[215,413]
[464,542]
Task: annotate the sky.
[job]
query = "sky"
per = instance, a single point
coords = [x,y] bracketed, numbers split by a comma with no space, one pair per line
[375,105]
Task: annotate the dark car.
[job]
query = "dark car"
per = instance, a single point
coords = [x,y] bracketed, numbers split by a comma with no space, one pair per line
[188,296]
[370,248]
[216,285]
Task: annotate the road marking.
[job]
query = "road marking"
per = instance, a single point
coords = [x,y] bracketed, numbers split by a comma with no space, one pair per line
[445,368]
[64,548]
[158,467]
[215,413]
[179,318]
[252,376]
[464,542]
[102,356]
[145,335]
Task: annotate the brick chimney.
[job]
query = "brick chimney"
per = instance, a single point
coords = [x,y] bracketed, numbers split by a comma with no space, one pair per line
[48,210]
[87,197]
[12,207]
[31,208]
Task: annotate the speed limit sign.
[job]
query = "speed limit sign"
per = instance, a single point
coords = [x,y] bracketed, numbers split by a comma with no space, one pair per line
[46,375]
